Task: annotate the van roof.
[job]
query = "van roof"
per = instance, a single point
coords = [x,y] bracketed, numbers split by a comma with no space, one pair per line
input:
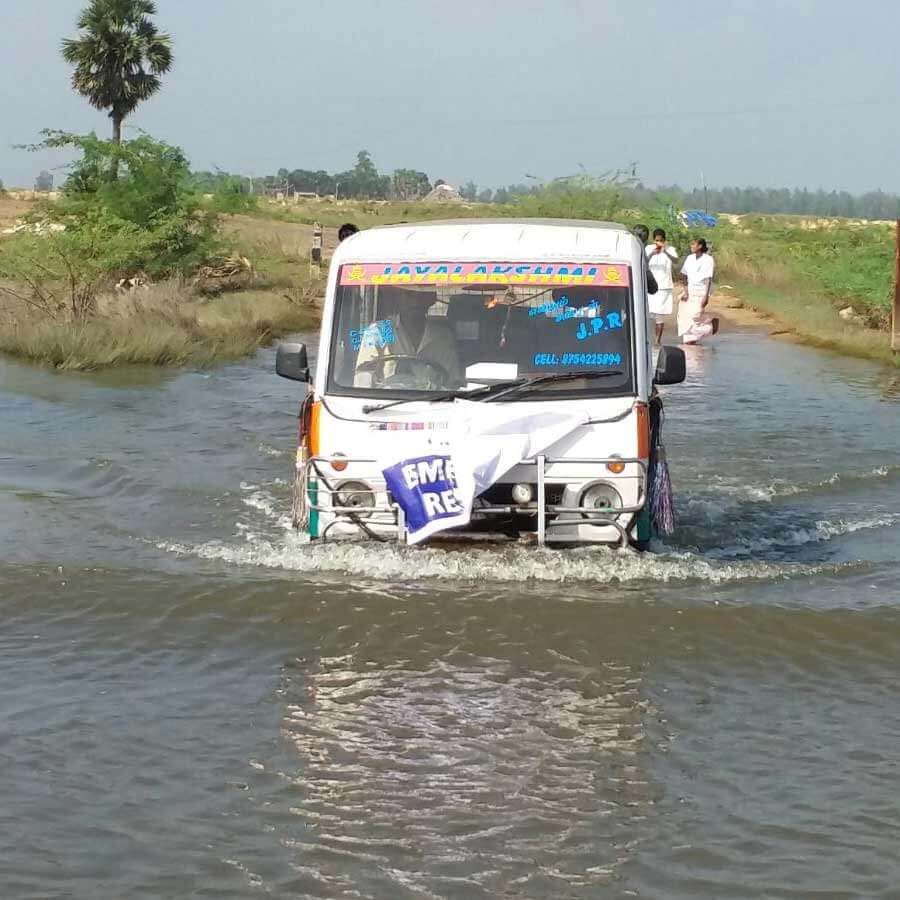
[495,239]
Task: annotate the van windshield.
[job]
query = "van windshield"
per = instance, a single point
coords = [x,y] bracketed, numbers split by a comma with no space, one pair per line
[415,328]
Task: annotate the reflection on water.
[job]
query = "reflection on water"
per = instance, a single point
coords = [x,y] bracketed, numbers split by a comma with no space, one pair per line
[698,359]
[496,777]
[889,384]
[199,703]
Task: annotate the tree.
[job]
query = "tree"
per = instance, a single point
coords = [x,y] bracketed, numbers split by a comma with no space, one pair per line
[44,182]
[309,182]
[408,184]
[469,191]
[149,219]
[363,179]
[118,57]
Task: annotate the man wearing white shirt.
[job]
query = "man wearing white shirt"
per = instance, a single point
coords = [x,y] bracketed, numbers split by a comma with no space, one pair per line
[698,271]
[659,258]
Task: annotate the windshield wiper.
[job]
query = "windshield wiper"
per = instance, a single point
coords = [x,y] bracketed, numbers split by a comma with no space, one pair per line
[526,383]
[450,395]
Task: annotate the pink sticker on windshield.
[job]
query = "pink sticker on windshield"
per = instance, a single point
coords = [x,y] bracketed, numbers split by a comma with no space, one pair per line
[527,274]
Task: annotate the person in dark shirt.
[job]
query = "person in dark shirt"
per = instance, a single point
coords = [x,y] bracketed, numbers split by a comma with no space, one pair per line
[642,233]
[347,229]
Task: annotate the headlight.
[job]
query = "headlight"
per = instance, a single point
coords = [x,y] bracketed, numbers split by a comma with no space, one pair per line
[355,496]
[600,496]
[522,494]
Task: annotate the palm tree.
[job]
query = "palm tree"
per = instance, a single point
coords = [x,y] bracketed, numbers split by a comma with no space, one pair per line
[118,56]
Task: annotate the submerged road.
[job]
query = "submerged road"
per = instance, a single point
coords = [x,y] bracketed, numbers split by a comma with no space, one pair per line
[195,704]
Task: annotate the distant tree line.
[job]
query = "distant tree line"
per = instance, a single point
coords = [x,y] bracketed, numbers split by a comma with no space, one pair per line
[800,202]
[364,181]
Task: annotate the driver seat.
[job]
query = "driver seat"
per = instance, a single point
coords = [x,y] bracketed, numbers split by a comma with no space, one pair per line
[439,345]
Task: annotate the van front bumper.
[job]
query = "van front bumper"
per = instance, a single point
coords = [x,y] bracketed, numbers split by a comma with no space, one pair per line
[564,522]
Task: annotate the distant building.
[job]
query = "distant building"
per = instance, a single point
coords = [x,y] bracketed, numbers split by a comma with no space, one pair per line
[443,193]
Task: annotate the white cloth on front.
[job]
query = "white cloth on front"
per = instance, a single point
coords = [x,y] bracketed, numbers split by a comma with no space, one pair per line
[661,265]
[661,302]
[483,442]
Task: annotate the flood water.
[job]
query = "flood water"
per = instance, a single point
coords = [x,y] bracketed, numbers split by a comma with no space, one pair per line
[196,704]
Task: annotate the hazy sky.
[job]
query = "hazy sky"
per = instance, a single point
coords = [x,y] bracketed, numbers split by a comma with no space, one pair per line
[766,92]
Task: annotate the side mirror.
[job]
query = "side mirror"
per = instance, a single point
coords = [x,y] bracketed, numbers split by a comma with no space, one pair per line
[670,366]
[291,362]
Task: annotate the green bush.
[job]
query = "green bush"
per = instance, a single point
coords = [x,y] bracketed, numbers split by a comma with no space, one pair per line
[233,196]
[846,262]
[563,200]
[135,199]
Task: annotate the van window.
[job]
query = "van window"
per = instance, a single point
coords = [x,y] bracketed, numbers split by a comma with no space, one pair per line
[420,337]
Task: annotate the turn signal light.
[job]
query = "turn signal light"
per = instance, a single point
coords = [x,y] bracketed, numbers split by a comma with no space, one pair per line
[617,468]
[642,414]
[339,462]
[313,428]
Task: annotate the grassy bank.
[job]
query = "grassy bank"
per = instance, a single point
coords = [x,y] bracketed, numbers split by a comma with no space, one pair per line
[163,326]
[801,272]
[804,272]
[811,321]
[165,322]
[846,262]
[369,214]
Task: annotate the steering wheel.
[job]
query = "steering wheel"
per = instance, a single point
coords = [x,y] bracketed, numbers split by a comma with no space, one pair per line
[380,361]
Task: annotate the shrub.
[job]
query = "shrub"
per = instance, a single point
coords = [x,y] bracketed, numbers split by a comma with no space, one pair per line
[135,197]
[233,196]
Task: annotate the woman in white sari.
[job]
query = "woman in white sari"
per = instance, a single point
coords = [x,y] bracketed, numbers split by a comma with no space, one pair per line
[698,271]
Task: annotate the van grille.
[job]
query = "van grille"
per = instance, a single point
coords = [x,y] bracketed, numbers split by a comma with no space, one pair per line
[501,494]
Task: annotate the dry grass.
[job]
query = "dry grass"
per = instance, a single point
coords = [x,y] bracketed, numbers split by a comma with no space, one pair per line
[165,325]
[287,238]
[812,320]
[734,266]
[278,250]
[169,323]
[11,209]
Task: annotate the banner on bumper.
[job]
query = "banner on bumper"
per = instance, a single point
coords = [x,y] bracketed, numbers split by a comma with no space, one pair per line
[439,477]
[426,489]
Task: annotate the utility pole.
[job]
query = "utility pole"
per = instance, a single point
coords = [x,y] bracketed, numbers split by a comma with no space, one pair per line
[895,308]
[315,253]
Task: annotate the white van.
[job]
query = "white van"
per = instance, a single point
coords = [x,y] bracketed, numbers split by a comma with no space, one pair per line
[431,327]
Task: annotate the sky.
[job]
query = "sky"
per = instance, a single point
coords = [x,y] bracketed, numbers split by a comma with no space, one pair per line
[735,92]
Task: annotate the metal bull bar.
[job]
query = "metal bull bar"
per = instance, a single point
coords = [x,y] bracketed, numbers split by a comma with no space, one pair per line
[390,515]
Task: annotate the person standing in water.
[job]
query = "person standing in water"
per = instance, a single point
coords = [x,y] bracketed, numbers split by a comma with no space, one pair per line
[698,271]
[660,257]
